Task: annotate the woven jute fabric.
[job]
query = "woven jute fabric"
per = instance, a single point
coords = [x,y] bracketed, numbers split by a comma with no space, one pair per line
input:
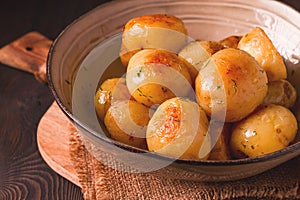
[99,181]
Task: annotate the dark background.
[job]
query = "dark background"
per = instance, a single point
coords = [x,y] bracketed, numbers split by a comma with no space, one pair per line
[49,17]
[23,100]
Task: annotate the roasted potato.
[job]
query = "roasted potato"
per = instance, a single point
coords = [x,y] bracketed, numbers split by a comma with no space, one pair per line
[268,129]
[178,129]
[161,31]
[198,99]
[197,52]
[114,88]
[231,85]
[126,122]
[281,92]
[154,76]
[211,47]
[259,45]
[231,41]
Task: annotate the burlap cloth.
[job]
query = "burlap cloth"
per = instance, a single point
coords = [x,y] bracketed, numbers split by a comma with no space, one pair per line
[98,181]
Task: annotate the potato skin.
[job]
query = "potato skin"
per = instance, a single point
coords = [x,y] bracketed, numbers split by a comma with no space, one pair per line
[259,45]
[281,92]
[231,41]
[268,129]
[231,80]
[155,75]
[197,52]
[210,46]
[178,129]
[152,31]
[114,88]
[126,122]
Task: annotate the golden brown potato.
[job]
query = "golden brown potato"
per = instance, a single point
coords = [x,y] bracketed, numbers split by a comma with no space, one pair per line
[281,92]
[178,129]
[125,55]
[197,52]
[114,88]
[160,31]
[221,150]
[211,47]
[154,76]
[270,128]
[231,41]
[259,45]
[126,122]
[231,85]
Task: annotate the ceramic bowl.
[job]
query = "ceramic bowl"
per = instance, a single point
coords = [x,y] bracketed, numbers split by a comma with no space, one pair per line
[81,54]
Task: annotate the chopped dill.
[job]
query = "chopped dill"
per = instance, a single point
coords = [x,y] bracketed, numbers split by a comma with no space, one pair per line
[206,63]
[139,72]
[254,133]
[234,86]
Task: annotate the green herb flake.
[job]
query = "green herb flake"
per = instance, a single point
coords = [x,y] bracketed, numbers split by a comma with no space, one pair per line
[234,86]
[197,63]
[139,72]
[141,93]
[85,68]
[206,64]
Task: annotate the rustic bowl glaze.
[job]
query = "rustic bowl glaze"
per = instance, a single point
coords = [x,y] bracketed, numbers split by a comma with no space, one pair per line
[80,55]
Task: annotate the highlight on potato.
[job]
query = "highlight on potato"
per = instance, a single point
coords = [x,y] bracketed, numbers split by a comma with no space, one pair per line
[268,129]
[179,128]
[197,99]
[242,78]
[161,31]
[154,76]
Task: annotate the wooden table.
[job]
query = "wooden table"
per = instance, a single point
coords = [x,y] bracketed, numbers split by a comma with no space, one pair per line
[24,100]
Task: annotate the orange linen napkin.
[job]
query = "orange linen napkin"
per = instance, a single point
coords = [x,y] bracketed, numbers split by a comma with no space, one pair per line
[99,181]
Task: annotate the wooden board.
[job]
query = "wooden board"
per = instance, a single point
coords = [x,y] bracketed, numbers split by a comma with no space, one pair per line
[53,134]
[28,53]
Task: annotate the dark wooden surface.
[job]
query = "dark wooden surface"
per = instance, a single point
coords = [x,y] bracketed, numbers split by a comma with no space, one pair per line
[24,100]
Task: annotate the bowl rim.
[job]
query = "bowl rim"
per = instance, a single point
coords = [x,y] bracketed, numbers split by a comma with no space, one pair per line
[270,156]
